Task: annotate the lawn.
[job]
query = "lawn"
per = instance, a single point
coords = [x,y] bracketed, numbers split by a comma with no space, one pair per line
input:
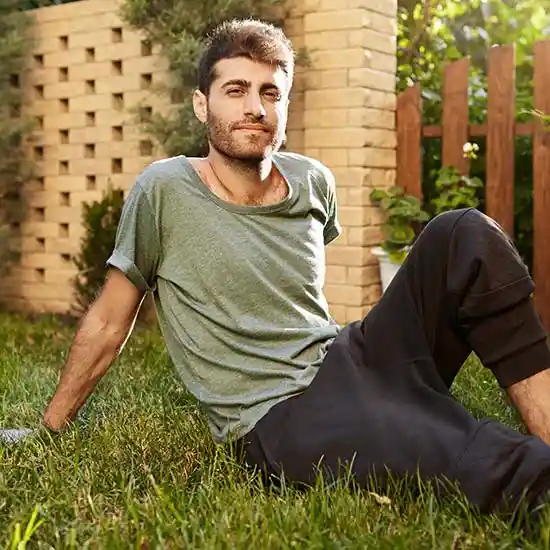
[140,471]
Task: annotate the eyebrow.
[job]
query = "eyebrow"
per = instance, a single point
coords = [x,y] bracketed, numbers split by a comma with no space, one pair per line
[247,84]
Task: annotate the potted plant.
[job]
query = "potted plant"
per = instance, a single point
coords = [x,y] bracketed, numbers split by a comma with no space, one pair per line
[403,213]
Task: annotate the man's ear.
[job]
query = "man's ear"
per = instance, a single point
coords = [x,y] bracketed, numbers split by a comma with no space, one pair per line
[200,106]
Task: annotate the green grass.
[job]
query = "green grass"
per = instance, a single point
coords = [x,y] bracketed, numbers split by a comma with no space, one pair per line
[140,471]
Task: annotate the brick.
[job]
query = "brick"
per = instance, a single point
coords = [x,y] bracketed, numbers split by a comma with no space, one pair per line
[30,245]
[42,259]
[309,6]
[359,196]
[342,196]
[296,120]
[338,59]
[39,305]
[342,240]
[374,79]
[364,236]
[72,10]
[312,153]
[351,177]
[346,295]
[383,23]
[135,165]
[42,76]
[372,40]
[95,102]
[73,25]
[388,7]
[83,40]
[329,99]
[335,78]
[56,121]
[40,229]
[110,118]
[372,157]
[336,274]
[295,140]
[334,20]
[350,256]
[325,40]
[64,58]
[382,62]
[335,137]
[384,139]
[294,25]
[363,276]
[60,291]
[325,118]
[57,275]
[338,312]
[352,216]
[377,177]
[381,100]
[117,149]
[372,118]
[333,157]
[63,214]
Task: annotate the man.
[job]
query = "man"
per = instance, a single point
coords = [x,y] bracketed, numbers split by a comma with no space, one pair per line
[232,246]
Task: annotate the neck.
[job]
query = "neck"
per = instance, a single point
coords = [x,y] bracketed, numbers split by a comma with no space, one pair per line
[248,176]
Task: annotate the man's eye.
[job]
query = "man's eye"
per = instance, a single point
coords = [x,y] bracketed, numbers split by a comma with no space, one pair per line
[234,92]
[273,95]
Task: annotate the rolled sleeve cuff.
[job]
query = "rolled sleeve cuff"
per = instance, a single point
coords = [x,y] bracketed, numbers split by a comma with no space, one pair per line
[331,234]
[129,269]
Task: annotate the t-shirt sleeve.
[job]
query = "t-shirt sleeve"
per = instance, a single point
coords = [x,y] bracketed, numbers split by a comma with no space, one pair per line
[332,226]
[137,245]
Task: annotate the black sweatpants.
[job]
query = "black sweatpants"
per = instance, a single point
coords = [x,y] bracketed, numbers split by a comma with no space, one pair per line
[380,403]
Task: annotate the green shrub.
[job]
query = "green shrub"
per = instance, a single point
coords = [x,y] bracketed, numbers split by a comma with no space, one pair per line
[100,220]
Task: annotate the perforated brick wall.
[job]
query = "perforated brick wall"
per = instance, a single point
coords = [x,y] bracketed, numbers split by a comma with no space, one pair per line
[88,69]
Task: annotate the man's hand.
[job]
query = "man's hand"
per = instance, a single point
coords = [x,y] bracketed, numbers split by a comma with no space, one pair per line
[99,340]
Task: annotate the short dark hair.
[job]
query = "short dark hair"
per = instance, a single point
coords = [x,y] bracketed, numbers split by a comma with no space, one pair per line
[251,38]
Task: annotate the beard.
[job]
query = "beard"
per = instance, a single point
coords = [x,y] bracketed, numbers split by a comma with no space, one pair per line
[236,145]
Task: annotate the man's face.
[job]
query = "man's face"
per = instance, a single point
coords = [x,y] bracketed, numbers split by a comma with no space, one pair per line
[246,110]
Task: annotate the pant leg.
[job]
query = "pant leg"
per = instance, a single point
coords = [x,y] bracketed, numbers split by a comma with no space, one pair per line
[380,402]
[465,288]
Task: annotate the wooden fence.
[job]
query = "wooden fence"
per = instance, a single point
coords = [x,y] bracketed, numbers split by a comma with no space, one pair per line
[500,129]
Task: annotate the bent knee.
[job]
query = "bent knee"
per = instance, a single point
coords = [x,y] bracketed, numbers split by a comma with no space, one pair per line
[471,218]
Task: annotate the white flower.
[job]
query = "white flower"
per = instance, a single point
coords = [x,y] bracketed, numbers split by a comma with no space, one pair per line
[470,149]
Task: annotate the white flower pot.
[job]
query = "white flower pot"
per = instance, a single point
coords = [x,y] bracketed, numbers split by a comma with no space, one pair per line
[388,268]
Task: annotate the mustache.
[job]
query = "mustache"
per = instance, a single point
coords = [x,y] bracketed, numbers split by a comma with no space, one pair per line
[256,123]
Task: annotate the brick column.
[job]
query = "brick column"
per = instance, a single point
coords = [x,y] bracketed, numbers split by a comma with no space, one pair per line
[349,124]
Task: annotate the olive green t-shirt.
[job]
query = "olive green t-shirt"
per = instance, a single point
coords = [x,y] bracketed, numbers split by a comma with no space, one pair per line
[238,289]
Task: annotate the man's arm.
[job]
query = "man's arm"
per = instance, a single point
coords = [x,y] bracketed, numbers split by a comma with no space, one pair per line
[99,339]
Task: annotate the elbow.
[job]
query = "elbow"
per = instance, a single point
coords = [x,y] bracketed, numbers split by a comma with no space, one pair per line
[111,335]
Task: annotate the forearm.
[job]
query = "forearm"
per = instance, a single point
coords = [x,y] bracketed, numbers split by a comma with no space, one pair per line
[95,347]
[531,397]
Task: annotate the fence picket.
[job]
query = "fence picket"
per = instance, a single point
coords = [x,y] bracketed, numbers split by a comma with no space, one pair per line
[541,183]
[409,137]
[499,189]
[455,114]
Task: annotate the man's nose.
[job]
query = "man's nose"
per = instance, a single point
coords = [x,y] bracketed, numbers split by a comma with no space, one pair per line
[254,106]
